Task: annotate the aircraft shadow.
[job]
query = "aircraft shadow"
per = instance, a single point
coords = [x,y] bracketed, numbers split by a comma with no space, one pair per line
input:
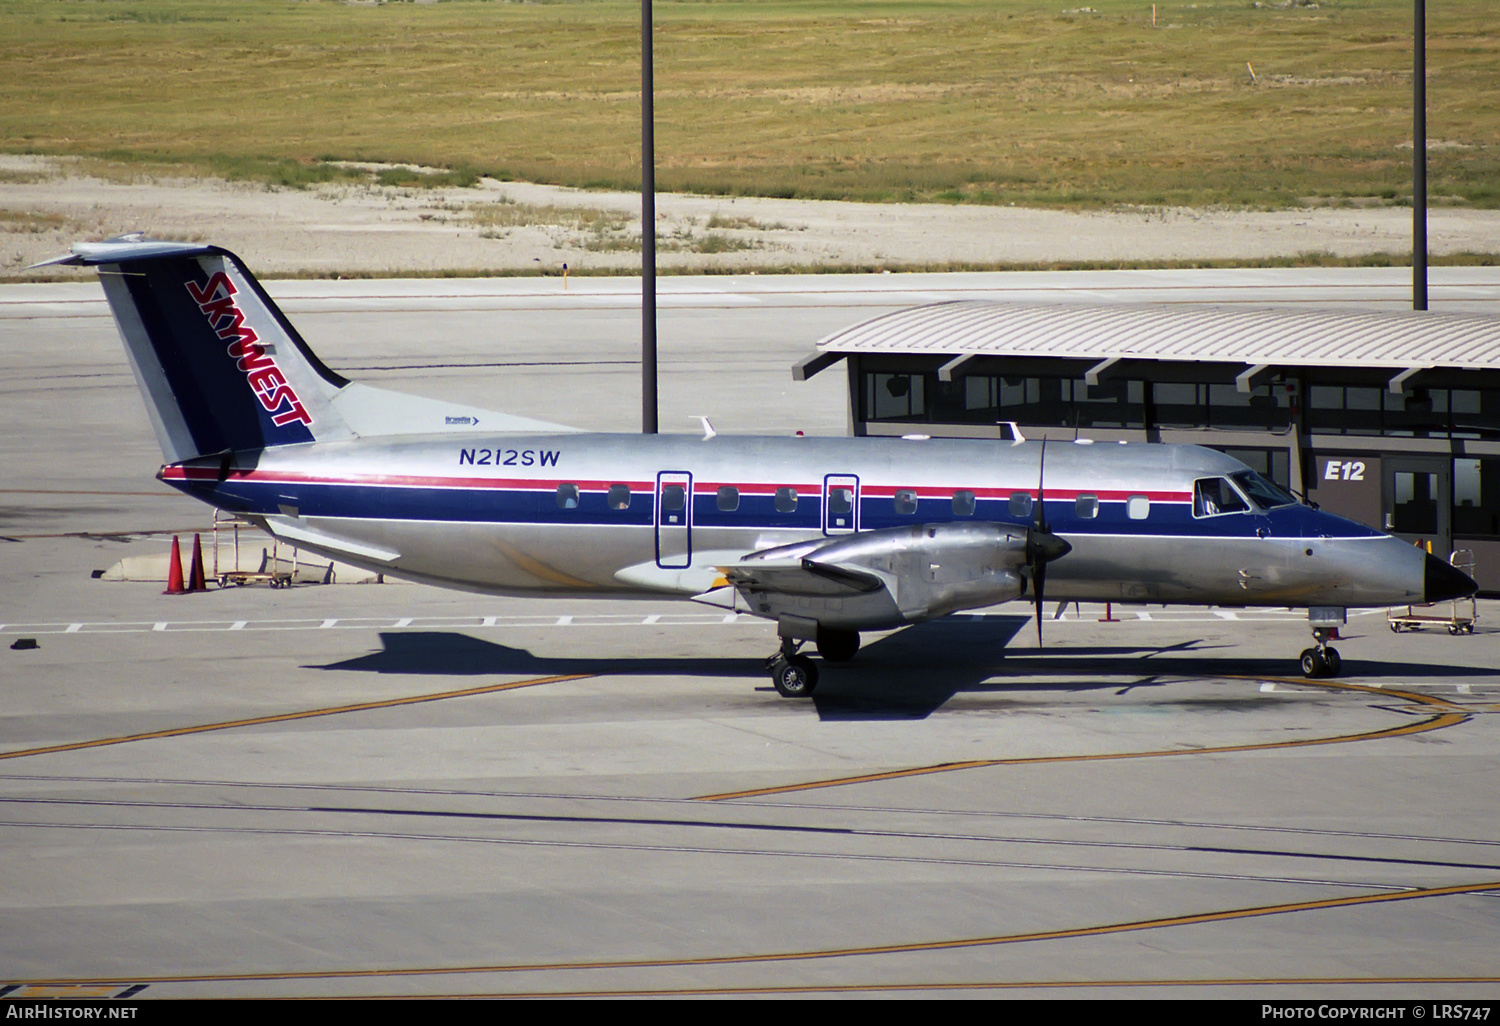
[451,654]
[909,674]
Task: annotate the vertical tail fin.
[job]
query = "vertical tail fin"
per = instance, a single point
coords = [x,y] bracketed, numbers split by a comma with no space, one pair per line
[221,368]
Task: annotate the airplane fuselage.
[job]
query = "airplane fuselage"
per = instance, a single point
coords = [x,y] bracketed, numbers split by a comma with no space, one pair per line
[587,514]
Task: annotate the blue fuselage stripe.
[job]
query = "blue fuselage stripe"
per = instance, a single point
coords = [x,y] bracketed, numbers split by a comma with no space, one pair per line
[536,506]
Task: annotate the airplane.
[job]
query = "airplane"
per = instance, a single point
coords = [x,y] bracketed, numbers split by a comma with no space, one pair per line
[827,537]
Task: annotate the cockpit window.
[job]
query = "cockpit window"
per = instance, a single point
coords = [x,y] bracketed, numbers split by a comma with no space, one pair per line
[1264,493]
[1214,495]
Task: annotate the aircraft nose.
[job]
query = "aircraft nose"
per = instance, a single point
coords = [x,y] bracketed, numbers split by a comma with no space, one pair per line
[1442,581]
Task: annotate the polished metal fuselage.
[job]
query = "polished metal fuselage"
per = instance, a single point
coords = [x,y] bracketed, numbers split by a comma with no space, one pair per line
[543,514]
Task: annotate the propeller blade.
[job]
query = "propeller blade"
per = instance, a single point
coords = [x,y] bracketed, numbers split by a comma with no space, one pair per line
[1039,578]
[1033,540]
[1041,505]
[1042,546]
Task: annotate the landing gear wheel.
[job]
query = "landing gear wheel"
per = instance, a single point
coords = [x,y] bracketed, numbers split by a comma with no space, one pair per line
[1332,661]
[838,646]
[1313,663]
[794,677]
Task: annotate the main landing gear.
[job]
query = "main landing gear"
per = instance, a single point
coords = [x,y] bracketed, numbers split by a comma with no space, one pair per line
[793,675]
[837,646]
[1324,660]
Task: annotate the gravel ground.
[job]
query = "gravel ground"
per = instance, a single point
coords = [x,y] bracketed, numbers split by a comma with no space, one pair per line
[47,204]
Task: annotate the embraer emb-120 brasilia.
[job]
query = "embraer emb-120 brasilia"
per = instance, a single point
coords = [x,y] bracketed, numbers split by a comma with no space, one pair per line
[825,536]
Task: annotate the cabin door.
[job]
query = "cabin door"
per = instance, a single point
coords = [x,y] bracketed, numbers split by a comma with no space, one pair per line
[674,519]
[840,504]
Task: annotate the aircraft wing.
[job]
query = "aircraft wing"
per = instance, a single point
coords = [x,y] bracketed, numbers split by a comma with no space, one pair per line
[881,578]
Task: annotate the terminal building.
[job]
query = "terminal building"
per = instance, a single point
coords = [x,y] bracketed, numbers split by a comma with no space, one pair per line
[1392,419]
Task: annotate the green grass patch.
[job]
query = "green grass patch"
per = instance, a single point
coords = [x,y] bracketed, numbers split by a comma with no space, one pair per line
[34,223]
[16,176]
[528,215]
[957,101]
[713,242]
[749,224]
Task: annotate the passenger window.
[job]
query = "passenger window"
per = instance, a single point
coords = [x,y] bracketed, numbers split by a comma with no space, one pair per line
[1214,495]
[963,504]
[567,496]
[673,498]
[1086,507]
[840,501]
[1020,504]
[786,500]
[619,496]
[905,502]
[729,499]
[1138,507]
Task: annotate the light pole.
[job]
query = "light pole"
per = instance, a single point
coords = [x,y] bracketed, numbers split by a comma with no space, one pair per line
[1419,158]
[648,229]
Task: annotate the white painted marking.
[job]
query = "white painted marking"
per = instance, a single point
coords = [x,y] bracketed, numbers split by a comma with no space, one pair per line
[541,620]
[1464,689]
[1268,687]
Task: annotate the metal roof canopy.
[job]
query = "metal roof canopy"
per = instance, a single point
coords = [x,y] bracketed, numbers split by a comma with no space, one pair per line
[1259,338]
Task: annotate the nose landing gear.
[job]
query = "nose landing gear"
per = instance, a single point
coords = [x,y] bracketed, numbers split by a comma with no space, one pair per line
[1324,660]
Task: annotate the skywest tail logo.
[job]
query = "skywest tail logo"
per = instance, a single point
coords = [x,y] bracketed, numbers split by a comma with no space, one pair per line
[228,322]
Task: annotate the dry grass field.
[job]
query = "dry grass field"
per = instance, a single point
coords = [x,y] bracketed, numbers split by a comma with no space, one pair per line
[987,101]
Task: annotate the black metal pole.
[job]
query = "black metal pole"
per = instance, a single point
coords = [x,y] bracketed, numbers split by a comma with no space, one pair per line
[648,229]
[1419,159]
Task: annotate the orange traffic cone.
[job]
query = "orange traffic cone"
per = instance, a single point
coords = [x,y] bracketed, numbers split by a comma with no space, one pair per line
[174,571]
[195,575]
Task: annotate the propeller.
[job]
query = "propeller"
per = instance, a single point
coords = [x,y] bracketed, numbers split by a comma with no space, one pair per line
[1042,546]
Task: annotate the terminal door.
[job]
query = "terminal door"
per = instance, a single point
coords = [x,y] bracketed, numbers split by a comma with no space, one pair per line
[1417,493]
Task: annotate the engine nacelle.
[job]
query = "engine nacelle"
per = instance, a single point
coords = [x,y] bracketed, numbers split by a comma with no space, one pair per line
[893,577]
